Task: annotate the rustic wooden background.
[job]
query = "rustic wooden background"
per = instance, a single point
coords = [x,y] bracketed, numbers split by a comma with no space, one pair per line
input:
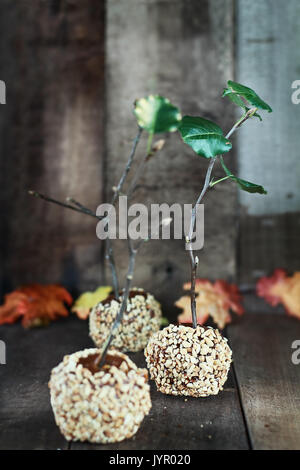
[72,71]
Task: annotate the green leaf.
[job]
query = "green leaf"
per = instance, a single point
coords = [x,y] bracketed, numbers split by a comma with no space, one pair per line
[204,136]
[237,100]
[250,187]
[236,92]
[243,184]
[156,114]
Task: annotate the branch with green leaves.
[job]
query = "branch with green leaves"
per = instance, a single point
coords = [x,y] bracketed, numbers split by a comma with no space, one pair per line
[155,114]
[207,140]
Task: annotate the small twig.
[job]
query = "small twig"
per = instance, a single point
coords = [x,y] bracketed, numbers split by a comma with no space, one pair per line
[213,183]
[63,204]
[191,231]
[109,251]
[109,255]
[117,190]
[78,204]
[119,187]
[100,360]
[206,186]
[78,207]
[140,169]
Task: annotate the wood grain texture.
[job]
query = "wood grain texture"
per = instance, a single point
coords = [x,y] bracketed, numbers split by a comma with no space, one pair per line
[162,47]
[52,57]
[268,387]
[266,243]
[186,423]
[52,135]
[26,418]
[269,382]
[268,61]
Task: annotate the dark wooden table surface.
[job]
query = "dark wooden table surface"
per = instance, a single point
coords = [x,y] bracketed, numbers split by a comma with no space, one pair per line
[258,409]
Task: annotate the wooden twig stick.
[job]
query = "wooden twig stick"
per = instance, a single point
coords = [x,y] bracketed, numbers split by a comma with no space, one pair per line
[78,207]
[120,185]
[100,360]
[136,177]
[78,204]
[109,255]
[206,186]
[109,250]
[64,204]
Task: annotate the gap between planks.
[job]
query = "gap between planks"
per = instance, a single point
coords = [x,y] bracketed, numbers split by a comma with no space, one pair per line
[268,381]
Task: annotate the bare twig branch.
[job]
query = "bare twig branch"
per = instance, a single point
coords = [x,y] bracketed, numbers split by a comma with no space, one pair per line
[63,204]
[206,186]
[100,360]
[136,177]
[78,204]
[119,187]
[78,207]
[109,250]
[117,190]
[189,241]
[109,255]
[140,169]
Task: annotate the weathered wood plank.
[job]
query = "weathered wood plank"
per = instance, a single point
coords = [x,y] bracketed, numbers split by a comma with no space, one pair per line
[183,50]
[179,423]
[26,418]
[268,61]
[51,134]
[268,380]
[254,304]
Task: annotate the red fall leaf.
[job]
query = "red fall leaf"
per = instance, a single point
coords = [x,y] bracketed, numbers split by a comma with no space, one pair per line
[35,304]
[213,299]
[281,289]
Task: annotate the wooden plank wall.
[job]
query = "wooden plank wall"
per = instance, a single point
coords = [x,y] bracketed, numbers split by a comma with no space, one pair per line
[182,50]
[268,59]
[51,137]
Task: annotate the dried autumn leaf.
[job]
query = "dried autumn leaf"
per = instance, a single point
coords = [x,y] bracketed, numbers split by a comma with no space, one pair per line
[280,288]
[88,300]
[36,304]
[213,299]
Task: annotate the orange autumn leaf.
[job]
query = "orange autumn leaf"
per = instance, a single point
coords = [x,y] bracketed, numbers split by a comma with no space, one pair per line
[281,288]
[35,304]
[212,299]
